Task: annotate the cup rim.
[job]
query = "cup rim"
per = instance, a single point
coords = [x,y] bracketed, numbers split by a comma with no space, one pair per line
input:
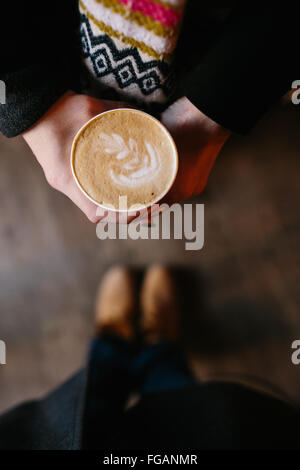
[161,196]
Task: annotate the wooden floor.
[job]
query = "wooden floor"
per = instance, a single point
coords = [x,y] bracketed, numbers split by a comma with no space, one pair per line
[247,276]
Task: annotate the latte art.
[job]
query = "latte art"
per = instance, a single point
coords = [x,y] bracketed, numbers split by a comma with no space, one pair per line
[124,152]
[137,167]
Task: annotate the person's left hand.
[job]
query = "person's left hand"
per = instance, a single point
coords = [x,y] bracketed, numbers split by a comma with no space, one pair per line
[199,141]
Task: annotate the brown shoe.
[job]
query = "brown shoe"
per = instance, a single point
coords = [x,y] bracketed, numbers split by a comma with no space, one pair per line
[159,306]
[116,304]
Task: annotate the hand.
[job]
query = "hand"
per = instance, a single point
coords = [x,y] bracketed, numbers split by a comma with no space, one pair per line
[51,139]
[199,141]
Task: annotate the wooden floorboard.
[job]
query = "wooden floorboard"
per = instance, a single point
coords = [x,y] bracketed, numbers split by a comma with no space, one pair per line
[247,274]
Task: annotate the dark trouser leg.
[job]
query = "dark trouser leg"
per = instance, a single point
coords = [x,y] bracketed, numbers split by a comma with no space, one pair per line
[114,371]
[108,388]
[161,367]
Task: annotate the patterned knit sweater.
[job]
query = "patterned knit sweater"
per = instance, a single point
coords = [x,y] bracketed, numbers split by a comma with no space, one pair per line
[128,45]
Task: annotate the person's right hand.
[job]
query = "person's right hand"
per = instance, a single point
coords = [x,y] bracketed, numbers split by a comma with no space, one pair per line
[51,139]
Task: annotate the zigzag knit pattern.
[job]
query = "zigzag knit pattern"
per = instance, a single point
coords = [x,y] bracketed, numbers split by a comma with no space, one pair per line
[129,45]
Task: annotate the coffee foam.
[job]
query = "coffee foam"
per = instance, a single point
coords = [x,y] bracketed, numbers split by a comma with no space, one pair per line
[124,153]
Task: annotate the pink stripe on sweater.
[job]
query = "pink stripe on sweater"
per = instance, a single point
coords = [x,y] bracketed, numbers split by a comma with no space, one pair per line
[160,13]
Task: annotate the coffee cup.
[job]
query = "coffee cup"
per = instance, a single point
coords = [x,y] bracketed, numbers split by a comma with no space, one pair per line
[124,155]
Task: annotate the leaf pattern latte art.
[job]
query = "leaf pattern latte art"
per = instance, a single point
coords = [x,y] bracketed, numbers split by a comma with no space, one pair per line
[136,167]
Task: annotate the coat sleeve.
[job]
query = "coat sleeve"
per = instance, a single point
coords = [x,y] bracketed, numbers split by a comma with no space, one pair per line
[39,59]
[249,66]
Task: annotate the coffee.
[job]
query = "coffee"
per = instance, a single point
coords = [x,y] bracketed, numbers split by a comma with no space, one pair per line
[124,152]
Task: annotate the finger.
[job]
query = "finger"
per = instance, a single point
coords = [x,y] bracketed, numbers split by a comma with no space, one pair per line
[93,212]
[119,217]
[81,201]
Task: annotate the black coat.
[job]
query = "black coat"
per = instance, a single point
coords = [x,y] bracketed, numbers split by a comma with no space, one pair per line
[210,416]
